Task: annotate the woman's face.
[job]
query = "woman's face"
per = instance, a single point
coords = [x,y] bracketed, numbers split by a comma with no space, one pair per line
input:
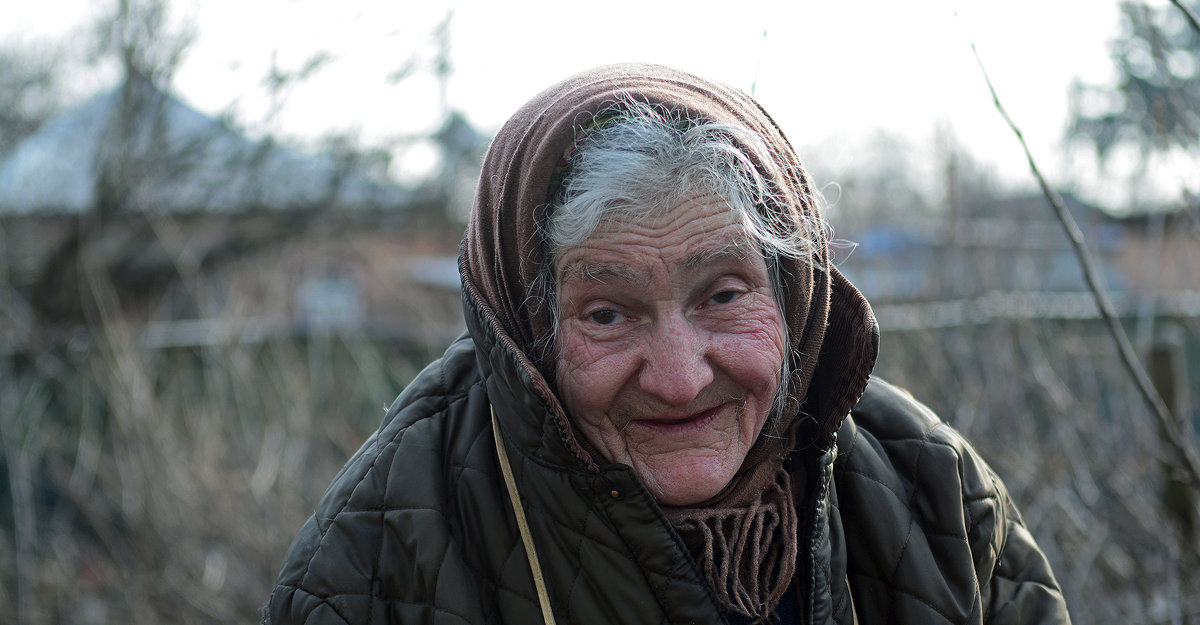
[670,346]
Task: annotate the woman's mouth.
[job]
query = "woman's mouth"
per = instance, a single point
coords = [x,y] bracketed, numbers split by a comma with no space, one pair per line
[699,420]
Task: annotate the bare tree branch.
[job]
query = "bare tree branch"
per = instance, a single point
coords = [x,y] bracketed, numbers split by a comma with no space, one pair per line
[1188,457]
[1189,14]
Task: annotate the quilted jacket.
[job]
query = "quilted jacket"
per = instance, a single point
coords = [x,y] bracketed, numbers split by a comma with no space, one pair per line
[904,522]
[901,521]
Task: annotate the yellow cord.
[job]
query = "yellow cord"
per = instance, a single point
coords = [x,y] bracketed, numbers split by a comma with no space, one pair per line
[526,537]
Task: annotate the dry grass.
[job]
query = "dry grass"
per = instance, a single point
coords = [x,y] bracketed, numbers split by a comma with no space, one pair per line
[155,486]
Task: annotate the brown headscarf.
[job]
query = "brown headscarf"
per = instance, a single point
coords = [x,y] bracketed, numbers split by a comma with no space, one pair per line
[751,526]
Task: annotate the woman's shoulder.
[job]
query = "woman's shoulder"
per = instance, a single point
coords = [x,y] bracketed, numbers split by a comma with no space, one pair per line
[388,514]
[440,384]
[918,502]
[890,412]
[896,439]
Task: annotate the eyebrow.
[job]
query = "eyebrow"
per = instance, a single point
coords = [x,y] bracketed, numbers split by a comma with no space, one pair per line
[601,272]
[716,256]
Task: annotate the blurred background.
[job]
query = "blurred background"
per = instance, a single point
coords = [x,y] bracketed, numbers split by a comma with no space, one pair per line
[228,235]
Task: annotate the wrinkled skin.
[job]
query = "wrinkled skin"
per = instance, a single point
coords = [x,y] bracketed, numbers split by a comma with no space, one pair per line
[670,346]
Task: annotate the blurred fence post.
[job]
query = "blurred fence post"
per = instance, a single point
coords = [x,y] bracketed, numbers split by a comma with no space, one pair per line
[1168,371]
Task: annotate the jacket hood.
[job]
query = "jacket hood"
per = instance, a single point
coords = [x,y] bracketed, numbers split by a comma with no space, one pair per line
[831,326]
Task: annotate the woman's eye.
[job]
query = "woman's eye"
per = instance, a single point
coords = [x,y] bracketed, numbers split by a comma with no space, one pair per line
[724,297]
[603,317]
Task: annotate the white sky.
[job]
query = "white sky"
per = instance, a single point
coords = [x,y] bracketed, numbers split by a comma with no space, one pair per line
[832,73]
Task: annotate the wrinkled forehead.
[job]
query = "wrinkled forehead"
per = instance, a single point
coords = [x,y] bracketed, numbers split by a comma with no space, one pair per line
[587,264]
[690,238]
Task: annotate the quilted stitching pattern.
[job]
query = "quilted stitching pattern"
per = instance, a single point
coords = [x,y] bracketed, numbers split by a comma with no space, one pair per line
[442,547]
[925,519]
[382,548]
[916,522]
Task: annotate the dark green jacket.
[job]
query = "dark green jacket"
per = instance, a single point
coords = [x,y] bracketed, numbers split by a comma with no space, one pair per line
[903,522]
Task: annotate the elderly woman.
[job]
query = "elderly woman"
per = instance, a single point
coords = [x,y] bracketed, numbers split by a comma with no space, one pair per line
[662,411]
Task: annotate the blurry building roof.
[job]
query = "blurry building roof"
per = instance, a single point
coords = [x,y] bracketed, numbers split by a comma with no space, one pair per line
[173,159]
[1005,245]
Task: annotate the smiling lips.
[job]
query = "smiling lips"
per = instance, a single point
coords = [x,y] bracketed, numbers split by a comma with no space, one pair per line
[696,421]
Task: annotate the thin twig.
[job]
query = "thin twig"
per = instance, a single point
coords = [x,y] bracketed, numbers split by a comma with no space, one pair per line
[1188,455]
[1189,14]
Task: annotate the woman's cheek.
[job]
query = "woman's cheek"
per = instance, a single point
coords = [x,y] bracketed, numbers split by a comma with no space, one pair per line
[580,350]
[586,372]
[757,320]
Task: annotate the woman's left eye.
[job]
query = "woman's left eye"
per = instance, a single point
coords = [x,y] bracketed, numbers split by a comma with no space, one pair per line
[724,297]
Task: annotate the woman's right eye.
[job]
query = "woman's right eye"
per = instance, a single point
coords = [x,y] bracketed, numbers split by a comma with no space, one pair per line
[604,317]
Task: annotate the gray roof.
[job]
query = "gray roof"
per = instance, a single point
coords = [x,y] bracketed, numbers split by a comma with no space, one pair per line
[177,159]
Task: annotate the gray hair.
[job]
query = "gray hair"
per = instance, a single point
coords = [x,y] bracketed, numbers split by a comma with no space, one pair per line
[640,160]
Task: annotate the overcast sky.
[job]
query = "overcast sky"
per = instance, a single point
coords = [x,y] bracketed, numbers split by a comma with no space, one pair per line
[834,74]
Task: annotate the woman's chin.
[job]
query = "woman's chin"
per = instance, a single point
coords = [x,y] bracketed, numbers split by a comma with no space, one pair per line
[687,483]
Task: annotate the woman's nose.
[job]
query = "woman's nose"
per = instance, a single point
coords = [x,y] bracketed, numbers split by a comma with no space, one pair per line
[676,366]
